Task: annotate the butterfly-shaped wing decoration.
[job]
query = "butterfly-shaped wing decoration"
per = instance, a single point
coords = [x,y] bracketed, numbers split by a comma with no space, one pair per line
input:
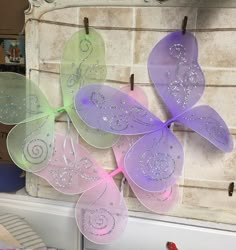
[83,63]
[179,80]
[30,142]
[101,213]
[157,159]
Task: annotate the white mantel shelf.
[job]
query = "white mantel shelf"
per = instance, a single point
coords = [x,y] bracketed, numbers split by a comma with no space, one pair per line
[54,221]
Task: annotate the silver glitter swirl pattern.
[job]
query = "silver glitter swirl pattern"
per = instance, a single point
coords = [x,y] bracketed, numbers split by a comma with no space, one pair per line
[183,84]
[187,76]
[97,99]
[83,166]
[119,116]
[98,222]
[156,166]
[35,151]
[62,177]
[178,51]
[86,49]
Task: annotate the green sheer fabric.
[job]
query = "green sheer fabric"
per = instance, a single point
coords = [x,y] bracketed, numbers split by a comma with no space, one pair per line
[20,100]
[83,62]
[30,143]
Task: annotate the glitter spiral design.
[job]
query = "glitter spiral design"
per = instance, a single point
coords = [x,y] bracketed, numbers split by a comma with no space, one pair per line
[98,222]
[97,99]
[178,52]
[35,151]
[119,122]
[62,177]
[84,167]
[85,46]
[86,49]
[156,166]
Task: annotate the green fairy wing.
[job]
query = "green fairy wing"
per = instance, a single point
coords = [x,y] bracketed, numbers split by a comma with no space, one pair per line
[83,62]
[20,99]
[30,144]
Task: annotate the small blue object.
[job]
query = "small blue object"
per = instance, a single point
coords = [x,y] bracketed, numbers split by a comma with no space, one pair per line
[11,178]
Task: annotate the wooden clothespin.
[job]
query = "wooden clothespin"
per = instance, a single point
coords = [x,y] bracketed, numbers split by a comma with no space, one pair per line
[86,25]
[184,24]
[231,189]
[131,80]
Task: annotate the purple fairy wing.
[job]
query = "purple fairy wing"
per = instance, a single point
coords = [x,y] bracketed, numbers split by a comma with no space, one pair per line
[159,202]
[175,72]
[72,169]
[155,161]
[108,109]
[207,122]
[101,213]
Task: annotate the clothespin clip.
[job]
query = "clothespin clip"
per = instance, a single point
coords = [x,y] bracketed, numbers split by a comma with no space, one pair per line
[231,189]
[131,80]
[184,24]
[86,25]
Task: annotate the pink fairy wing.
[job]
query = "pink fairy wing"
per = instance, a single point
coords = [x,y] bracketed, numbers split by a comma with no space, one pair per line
[175,72]
[155,161]
[158,202]
[108,109]
[207,122]
[72,170]
[101,213]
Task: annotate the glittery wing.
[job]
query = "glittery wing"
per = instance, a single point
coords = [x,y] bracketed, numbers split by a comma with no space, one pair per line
[155,161]
[207,122]
[101,213]
[175,72]
[159,202]
[83,62]
[71,170]
[20,99]
[30,144]
[110,110]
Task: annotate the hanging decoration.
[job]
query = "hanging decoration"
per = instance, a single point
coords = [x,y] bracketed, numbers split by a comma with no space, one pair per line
[147,152]
[101,213]
[30,142]
[156,160]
